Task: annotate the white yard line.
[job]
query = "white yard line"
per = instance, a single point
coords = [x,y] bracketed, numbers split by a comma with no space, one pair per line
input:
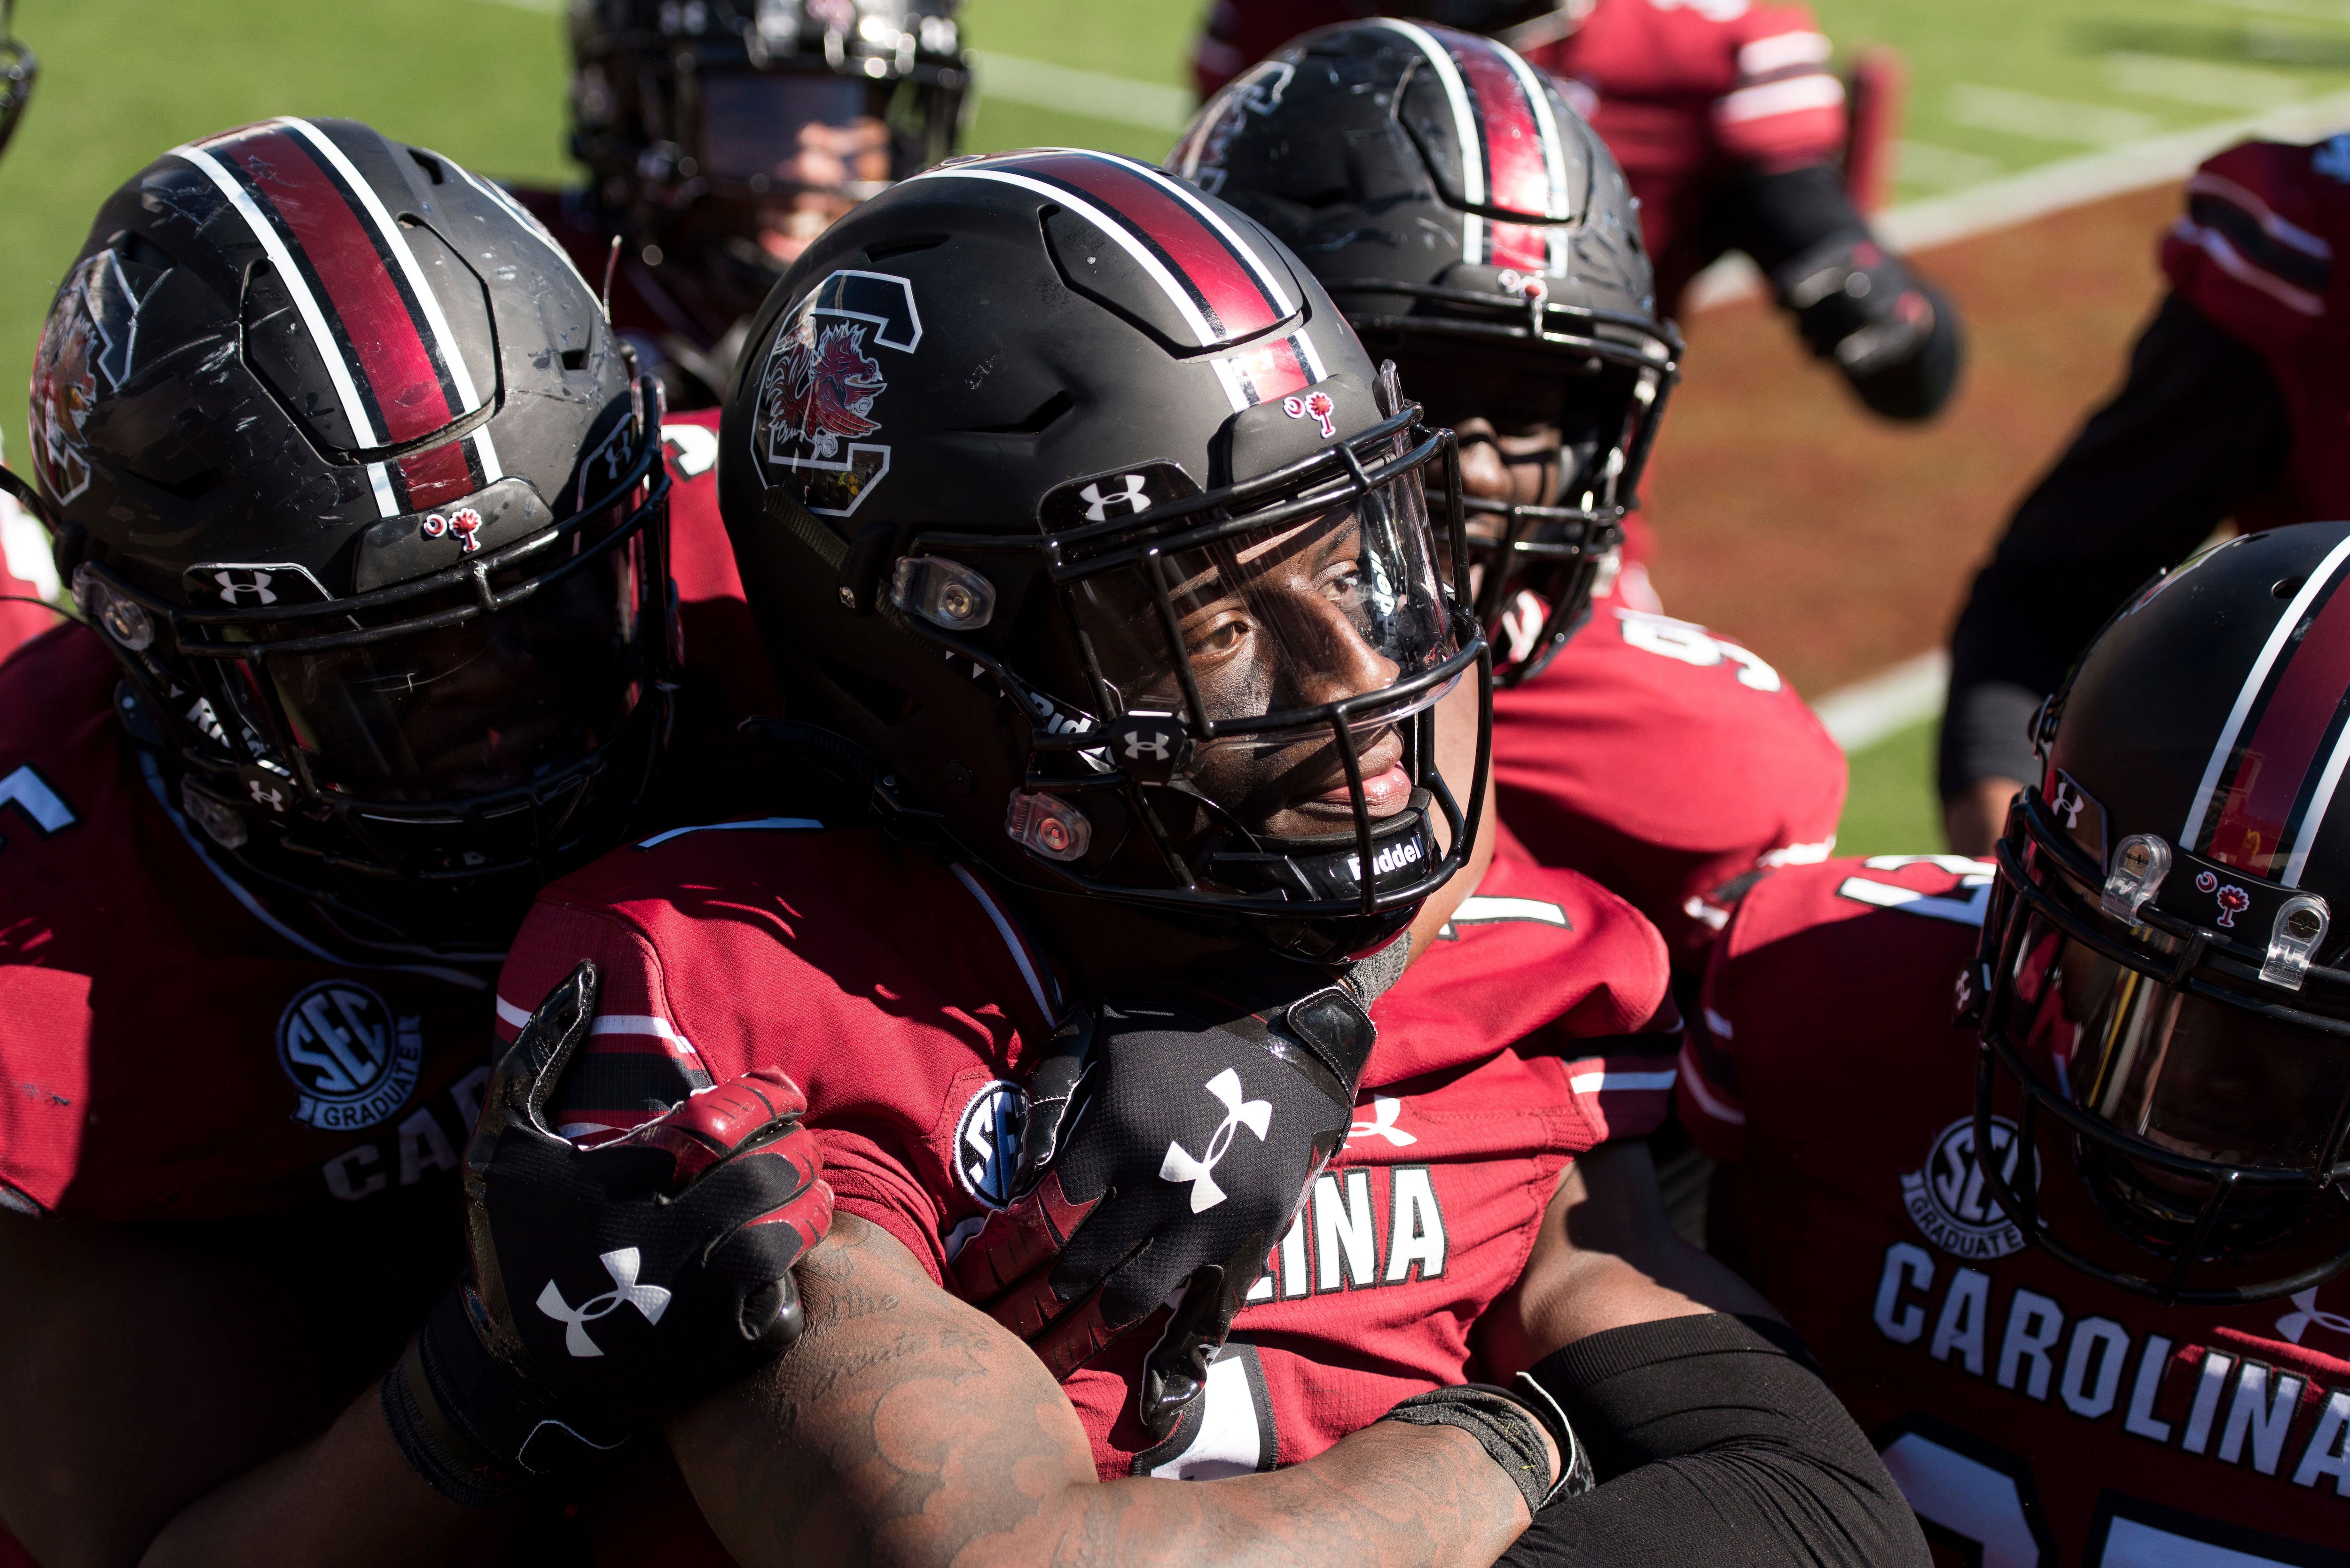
[1910,692]
[1010,79]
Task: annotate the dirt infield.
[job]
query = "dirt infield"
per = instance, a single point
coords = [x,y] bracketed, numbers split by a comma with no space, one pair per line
[1836,543]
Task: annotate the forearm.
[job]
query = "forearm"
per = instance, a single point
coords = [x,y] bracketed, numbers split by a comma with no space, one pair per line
[347,1498]
[907,1428]
[1714,1445]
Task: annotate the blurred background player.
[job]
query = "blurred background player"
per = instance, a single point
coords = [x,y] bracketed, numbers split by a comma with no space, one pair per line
[2234,409]
[2078,1272]
[1643,752]
[720,137]
[1733,134]
[29,578]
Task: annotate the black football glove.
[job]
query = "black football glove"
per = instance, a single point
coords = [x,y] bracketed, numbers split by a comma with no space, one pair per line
[606,1284]
[1895,336]
[1162,1153]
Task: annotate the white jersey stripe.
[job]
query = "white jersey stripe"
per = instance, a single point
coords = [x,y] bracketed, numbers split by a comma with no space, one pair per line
[1465,128]
[2191,835]
[272,244]
[1619,1083]
[445,340]
[1151,266]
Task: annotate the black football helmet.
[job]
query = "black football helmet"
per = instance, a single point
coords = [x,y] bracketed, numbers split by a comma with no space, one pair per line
[707,123]
[347,468]
[1063,492]
[1473,228]
[19,66]
[2159,972]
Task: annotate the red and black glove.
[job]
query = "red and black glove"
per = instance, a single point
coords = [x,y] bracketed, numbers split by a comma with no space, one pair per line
[1167,1150]
[610,1284]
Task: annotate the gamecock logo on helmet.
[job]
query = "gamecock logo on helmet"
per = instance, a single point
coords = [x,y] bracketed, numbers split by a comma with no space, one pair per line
[820,389]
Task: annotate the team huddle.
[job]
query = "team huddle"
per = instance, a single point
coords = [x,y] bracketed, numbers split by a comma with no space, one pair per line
[827,852]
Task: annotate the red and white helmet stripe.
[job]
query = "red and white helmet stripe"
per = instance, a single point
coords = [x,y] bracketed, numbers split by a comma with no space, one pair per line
[366,301]
[1221,285]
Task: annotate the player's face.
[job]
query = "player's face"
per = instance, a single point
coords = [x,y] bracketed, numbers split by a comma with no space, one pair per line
[1279,621]
[810,142]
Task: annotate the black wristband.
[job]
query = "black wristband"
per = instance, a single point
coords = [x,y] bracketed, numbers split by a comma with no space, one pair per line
[1509,1432]
[450,1464]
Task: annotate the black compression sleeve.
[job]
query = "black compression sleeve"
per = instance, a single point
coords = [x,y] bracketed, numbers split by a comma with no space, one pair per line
[2198,426]
[1717,1446]
[1776,217]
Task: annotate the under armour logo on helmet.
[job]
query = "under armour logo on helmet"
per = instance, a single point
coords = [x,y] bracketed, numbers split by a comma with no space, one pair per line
[621,1264]
[1179,1164]
[2295,1323]
[1318,404]
[2069,800]
[463,524]
[269,795]
[1098,505]
[1158,745]
[258,587]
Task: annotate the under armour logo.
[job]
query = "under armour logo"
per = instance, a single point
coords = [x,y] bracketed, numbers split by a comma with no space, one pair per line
[2295,1323]
[1318,404]
[463,524]
[1179,1166]
[2069,800]
[1098,505]
[621,1264]
[269,795]
[263,594]
[1382,1124]
[1158,745]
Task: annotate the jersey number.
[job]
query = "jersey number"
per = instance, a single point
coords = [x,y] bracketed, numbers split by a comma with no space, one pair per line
[1663,635]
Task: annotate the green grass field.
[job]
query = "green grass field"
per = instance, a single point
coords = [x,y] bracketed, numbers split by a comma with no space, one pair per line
[1998,86]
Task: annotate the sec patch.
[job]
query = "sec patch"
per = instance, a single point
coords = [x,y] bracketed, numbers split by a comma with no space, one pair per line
[354,1063]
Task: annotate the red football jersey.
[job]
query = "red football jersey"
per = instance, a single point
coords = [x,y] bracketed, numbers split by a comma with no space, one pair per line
[25,572]
[2031,1415]
[777,942]
[171,1050]
[1662,760]
[722,641]
[1680,90]
[2254,253]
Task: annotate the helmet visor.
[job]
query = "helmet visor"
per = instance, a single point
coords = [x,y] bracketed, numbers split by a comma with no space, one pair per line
[483,706]
[2186,1073]
[1275,635]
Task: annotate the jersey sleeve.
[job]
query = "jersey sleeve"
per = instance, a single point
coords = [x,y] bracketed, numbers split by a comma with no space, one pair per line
[642,1058]
[1787,107]
[2252,252]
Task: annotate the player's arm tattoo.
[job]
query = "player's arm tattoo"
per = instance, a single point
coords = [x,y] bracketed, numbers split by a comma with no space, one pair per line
[908,1429]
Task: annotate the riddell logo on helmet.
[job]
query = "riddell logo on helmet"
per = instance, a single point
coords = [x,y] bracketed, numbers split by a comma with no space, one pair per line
[1319,405]
[462,524]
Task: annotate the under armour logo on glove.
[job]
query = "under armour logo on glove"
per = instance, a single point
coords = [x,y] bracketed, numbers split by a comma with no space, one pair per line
[621,1263]
[1382,1124]
[2295,1323]
[1179,1166]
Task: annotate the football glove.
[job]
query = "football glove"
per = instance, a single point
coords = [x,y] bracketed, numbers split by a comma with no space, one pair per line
[1165,1153]
[609,1284]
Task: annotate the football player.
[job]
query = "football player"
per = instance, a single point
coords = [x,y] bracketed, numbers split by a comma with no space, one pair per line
[2232,409]
[1730,128]
[1648,754]
[364,502]
[721,137]
[1113,603]
[2078,1270]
